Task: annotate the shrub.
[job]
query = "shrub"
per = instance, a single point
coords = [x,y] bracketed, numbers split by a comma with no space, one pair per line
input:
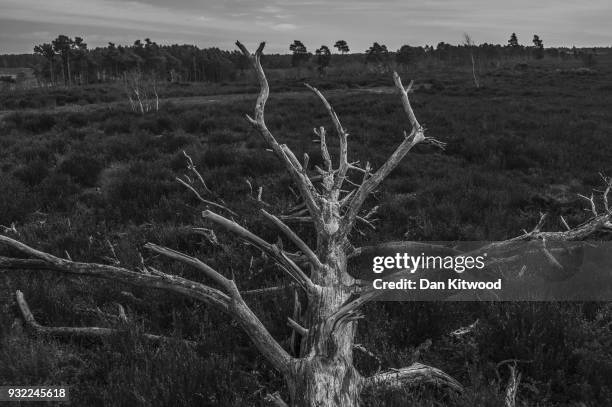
[117,124]
[33,172]
[56,192]
[15,201]
[134,191]
[31,122]
[39,123]
[169,143]
[84,169]
[157,123]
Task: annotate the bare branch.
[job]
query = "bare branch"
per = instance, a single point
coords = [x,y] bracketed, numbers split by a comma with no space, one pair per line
[417,135]
[591,200]
[364,350]
[297,327]
[415,374]
[204,201]
[275,400]
[324,151]
[406,102]
[606,192]
[268,290]
[342,136]
[301,180]
[166,281]
[541,223]
[273,250]
[514,381]
[464,330]
[310,255]
[234,305]
[349,311]
[296,219]
[567,226]
[86,332]
[208,271]
[581,232]
[294,341]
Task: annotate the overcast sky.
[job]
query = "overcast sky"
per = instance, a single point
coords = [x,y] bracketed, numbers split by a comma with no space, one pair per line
[24,23]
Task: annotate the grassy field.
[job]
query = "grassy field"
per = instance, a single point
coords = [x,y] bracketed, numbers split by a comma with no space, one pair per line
[75,181]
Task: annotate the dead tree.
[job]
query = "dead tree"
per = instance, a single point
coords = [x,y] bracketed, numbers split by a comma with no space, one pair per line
[141,92]
[322,372]
[467,41]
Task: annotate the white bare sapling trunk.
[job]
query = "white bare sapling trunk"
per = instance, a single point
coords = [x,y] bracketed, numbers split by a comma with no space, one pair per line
[467,41]
[141,92]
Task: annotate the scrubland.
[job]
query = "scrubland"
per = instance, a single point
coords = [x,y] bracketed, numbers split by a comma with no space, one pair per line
[76,181]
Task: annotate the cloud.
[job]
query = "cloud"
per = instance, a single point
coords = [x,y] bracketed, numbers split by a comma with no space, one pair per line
[284,27]
[315,22]
[116,14]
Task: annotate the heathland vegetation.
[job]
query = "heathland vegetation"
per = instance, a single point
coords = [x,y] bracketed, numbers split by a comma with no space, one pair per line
[84,176]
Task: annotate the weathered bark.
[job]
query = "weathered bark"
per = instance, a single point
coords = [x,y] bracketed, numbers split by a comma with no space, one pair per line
[324,374]
[323,382]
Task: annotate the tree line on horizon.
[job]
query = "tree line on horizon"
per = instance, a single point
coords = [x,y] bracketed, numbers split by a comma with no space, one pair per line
[69,61]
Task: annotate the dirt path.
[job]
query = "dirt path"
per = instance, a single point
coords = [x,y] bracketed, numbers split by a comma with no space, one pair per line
[198,100]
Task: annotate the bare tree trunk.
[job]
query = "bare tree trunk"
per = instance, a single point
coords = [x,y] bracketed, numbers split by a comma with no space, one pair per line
[68,69]
[319,381]
[476,81]
[51,62]
[324,375]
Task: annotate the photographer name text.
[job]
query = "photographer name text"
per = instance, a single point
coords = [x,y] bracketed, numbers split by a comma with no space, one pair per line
[426,284]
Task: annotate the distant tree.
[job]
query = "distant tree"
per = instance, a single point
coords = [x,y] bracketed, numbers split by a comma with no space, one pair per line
[80,57]
[300,53]
[46,51]
[62,45]
[342,46]
[138,49]
[538,47]
[378,55]
[537,42]
[110,60]
[240,61]
[408,54]
[404,55]
[513,41]
[155,59]
[443,51]
[323,58]
[81,65]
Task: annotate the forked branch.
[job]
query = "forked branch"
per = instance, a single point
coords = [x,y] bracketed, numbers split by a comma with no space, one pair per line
[416,136]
